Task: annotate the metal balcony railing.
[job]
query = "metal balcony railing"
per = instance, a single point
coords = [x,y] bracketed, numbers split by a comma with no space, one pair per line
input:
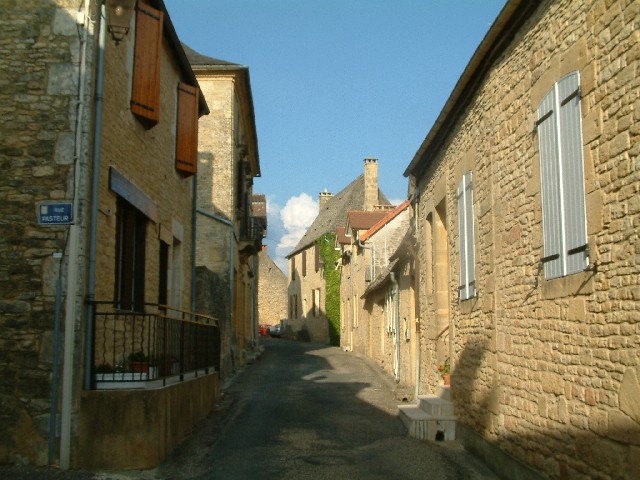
[154,347]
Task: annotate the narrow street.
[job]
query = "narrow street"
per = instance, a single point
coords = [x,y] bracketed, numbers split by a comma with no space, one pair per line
[303,411]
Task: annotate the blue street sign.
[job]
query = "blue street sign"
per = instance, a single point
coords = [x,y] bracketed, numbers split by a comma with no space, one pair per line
[55,213]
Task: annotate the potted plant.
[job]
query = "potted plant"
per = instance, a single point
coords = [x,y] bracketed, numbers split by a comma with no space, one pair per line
[445,371]
[139,362]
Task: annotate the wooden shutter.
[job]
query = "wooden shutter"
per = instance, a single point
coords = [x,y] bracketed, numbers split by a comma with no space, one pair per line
[562,178]
[576,255]
[467,243]
[187,129]
[145,93]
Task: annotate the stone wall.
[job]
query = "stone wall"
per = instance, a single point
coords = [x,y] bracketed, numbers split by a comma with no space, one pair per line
[544,369]
[272,292]
[39,60]
[306,326]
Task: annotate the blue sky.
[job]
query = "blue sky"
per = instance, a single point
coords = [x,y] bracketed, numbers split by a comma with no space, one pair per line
[334,82]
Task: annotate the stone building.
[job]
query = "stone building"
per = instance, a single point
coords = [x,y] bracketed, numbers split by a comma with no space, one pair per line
[100,125]
[377,304]
[229,231]
[272,291]
[307,305]
[526,219]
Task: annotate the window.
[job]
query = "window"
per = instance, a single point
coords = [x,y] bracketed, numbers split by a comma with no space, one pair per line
[304,263]
[316,302]
[145,93]
[163,273]
[317,256]
[564,221]
[130,256]
[293,268]
[464,195]
[187,129]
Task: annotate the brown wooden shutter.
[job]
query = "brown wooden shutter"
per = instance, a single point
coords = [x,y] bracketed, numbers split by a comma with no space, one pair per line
[187,129]
[145,93]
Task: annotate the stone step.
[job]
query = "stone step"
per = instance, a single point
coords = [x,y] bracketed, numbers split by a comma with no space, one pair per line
[444,392]
[423,426]
[436,406]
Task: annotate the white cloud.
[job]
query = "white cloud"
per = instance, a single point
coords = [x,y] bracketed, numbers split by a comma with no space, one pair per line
[287,225]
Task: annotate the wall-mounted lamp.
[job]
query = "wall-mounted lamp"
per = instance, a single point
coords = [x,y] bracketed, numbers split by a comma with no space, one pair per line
[119,13]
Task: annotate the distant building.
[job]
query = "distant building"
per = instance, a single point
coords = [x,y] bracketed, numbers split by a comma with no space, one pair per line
[272,291]
[307,314]
[231,220]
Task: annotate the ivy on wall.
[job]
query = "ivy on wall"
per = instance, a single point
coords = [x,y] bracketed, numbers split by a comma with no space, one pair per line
[329,256]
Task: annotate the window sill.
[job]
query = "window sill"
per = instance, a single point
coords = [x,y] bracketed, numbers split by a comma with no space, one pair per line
[581,283]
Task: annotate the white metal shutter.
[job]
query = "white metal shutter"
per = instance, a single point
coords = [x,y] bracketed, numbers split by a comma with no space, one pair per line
[464,195]
[550,183]
[562,178]
[471,256]
[576,255]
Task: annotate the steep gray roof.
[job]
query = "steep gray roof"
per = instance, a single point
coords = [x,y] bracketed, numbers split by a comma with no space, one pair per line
[334,213]
[196,58]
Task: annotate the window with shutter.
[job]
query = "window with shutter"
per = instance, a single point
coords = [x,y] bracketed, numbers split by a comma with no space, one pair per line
[145,92]
[317,256]
[187,129]
[467,247]
[304,263]
[564,221]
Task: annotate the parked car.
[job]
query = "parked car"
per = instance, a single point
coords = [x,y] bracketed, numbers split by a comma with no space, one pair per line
[274,330]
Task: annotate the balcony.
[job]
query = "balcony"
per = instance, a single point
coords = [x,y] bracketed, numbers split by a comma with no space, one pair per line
[252,231]
[154,348]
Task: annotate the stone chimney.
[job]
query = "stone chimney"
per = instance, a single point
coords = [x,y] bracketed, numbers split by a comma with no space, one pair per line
[370,183]
[324,198]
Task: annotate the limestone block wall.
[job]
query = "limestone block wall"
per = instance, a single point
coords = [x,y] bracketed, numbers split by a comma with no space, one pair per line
[543,368]
[305,325]
[272,291]
[146,159]
[216,171]
[39,61]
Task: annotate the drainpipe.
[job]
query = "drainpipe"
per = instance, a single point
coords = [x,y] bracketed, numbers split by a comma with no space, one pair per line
[396,314]
[93,226]
[72,274]
[229,223]
[193,242]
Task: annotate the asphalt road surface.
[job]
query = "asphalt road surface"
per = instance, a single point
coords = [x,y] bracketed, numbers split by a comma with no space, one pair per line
[304,411]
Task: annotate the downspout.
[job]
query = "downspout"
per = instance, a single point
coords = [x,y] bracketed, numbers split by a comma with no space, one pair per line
[193,242]
[72,274]
[396,319]
[229,223]
[93,225]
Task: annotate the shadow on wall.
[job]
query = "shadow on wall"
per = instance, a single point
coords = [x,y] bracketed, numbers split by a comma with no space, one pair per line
[569,434]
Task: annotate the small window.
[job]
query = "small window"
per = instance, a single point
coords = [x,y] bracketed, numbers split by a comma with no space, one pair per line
[467,245]
[304,263]
[564,215]
[145,92]
[187,129]
[131,227]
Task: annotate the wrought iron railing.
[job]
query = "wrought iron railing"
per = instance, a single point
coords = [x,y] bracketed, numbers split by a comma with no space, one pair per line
[160,344]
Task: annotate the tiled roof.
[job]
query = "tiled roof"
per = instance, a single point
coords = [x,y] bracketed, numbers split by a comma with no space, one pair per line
[335,211]
[387,218]
[341,237]
[364,220]
[196,58]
